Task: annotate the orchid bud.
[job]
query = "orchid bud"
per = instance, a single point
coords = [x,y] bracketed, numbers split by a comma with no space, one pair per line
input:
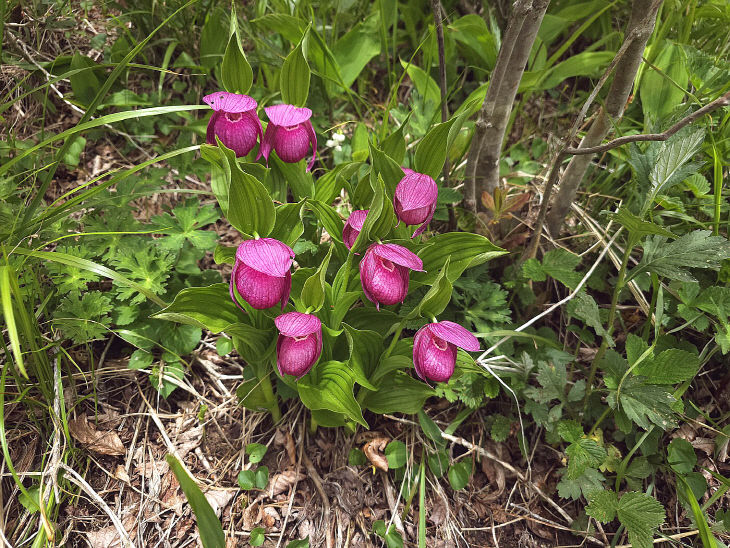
[434,349]
[353,226]
[289,133]
[299,344]
[262,273]
[234,121]
[384,272]
[415,199]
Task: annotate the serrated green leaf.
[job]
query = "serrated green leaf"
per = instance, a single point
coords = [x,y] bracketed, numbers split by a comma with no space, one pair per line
[636,227]
[585,485]
[644,404]
[641,514]
[584,453]
[681,456]
[697,249]
[585,308]
[557,263]
[603,505]
[671,366]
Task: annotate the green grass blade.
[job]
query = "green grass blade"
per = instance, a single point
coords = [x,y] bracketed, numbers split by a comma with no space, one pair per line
[422,506]
[8,313]
[211,531]
[108,119]
[92,108]
[706,536]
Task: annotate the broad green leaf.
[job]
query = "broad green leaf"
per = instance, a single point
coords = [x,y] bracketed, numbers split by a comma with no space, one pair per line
[224,254]
[379,221]
[603,506]
[366,348]
[250,209]
[257,537]
[291,28]
[426,86]
[585,308]
[256,452]
[641,514]
[294,78]
[329,386]
[213,38]
[430,429]
[209,307]
[437,298]
[697,249]
[236,73]
[220,174]
[432,149]
[387,168]
[246,480]
[585,64]
[360,143]
[355,49]
[84,84]
[252,343]
[681,456]
[471,31]
[659,96]
[394,145]
[295,176]
[330,184]
[398,393]
[288,226]
[314,288]
[209,527]
[251,396]
[463,249]
[329,218]
[396,454]
[459,474]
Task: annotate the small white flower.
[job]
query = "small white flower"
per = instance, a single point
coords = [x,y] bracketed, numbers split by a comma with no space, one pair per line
[338,148]
[330,143]
[339,137]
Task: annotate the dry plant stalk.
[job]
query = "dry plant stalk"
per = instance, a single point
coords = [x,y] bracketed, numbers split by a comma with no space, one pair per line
[486,145]
[641,25]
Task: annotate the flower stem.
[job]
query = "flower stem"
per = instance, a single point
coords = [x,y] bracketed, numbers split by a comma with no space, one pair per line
[396,337]
[620,282]
[272,403]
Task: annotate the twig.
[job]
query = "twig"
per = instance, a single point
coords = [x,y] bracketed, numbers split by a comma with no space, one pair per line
[74,477]
[317,480]
[558,304]
[666,539]
[619,141]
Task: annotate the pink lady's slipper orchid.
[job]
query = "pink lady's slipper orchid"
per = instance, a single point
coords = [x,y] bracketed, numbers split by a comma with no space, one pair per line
[384,272]
[299,344]
[415,199]
[234,121]
[353,226]
[262,273]
[289,133]
[434,349]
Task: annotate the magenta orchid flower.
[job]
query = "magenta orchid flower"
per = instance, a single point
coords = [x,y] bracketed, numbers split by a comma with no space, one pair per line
[262,273]
[384,273]
[434,349]
[415,199]
[299,344]
[353,226]
[234,121]
[289,133]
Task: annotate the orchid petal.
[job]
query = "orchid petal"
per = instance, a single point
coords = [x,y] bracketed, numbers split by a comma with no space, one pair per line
[287,115]
[415,191]
[297,324]
[398,255]
[422,228]
[267,143]
[230,102]
[210,132]
[455,334]
[291,143]
[267,256]
[313,141]
[353,226]
[260,290]
[231,285]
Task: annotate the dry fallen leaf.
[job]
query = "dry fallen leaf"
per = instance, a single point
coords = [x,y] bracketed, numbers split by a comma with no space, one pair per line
[283,481]
[106,443]
[109,537]
[373,451]
[121,474]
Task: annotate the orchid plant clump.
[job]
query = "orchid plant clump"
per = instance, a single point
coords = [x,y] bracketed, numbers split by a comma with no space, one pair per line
[326,318]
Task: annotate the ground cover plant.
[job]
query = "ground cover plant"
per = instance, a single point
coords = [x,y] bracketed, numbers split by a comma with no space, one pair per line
[351,273]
